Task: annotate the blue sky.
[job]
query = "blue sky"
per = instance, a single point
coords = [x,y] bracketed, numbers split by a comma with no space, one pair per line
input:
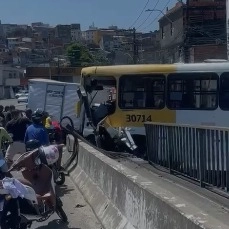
[103,13]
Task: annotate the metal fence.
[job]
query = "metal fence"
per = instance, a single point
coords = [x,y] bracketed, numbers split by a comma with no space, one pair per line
[199,152]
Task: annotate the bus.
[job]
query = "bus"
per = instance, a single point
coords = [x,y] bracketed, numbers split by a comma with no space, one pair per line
[195,94]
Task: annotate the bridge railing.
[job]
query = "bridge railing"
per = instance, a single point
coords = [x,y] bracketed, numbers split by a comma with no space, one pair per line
[198,152]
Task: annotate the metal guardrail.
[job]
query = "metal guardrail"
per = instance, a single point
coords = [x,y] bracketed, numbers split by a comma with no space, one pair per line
[198,152]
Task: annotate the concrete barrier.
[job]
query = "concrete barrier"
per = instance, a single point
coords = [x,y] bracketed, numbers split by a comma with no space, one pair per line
[123,199]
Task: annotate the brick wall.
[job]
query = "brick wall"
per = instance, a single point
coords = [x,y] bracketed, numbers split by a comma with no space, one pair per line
[200,53]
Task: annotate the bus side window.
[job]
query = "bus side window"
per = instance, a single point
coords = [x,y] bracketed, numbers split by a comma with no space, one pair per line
[192,91]
[224,91]
[142,91]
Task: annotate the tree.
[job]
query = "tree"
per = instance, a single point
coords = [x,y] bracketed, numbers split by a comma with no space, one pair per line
[101,59]
[79,55]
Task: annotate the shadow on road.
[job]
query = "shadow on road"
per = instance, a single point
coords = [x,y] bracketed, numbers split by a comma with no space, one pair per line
[63,190]
[57,225]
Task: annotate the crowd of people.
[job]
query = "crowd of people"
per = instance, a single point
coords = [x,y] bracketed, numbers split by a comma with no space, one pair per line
[18,127]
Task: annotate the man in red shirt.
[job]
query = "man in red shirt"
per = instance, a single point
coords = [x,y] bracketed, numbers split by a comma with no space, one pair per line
[58,139]
[58,133]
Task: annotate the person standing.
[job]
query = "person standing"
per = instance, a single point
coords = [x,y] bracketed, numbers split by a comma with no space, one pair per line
[17,128]
[7,108]
[28,113]
[4,136]
[8,113]
[47,121]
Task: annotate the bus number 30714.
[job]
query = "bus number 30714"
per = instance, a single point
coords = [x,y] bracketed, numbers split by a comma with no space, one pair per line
[138,118]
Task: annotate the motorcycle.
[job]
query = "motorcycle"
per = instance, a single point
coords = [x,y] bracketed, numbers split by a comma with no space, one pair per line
[36,200]
[59,175]
[54,135]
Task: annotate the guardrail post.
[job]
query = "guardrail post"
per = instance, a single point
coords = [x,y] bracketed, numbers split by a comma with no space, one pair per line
[201,159]
[171,148]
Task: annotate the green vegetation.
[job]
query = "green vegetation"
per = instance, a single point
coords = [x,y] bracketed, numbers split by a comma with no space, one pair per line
[80,55]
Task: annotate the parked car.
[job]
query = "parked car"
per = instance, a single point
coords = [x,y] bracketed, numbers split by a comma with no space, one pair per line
[21,93]
[18,95]
[23,99]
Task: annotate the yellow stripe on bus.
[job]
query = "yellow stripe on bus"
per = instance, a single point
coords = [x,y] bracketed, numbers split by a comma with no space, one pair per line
[129,69]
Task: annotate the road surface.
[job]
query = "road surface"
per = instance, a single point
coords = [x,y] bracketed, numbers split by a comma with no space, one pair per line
[8,102]
[79,213]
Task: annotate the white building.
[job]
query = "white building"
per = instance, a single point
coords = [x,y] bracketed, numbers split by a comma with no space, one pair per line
[76,35]
[10,77]
[91,36]
[27,39]
[13,43]
[22,27]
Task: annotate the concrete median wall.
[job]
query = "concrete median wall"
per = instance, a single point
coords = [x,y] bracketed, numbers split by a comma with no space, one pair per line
[122,199]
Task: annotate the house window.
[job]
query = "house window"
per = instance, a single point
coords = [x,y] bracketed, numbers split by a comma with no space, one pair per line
[171,29]
[162,33]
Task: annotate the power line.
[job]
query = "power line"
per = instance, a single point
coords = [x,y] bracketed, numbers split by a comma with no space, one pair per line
[157,15]
[148,15]
[140,13]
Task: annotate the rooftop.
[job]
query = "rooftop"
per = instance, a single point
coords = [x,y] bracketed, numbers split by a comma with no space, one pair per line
[173,10]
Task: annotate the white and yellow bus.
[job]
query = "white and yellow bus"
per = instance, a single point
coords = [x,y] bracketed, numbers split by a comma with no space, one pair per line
[195,94]
[177,93]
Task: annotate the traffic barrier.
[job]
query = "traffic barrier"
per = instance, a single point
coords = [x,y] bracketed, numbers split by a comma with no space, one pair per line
[123,199]
[198,152]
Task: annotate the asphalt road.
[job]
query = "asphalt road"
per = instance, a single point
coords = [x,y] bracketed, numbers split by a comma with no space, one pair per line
[8,102]
[80,214]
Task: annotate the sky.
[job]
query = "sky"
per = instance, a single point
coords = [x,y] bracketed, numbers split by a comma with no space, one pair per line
[102,13]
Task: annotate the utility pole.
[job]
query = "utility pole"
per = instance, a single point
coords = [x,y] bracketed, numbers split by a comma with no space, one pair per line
[186,37]
[227,27]
[49,57]
[135,47]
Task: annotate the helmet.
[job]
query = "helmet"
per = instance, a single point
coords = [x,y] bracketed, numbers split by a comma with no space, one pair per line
[49,154]
[32,144]
[38,115]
